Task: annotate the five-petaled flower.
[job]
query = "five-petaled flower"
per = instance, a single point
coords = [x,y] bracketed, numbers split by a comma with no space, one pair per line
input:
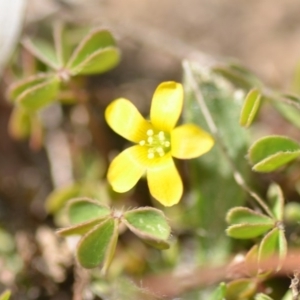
[157,142]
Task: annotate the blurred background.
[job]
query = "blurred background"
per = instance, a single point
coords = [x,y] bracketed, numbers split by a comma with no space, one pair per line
[154,37]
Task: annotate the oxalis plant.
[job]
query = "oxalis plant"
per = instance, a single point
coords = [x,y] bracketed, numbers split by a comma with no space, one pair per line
[211,113]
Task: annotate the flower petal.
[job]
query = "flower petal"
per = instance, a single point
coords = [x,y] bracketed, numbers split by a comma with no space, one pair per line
[166,105]
[189,141]
[124,118]
[164,182]
[127,168]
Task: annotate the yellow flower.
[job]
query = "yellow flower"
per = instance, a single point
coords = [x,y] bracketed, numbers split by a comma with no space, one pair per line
[157,142]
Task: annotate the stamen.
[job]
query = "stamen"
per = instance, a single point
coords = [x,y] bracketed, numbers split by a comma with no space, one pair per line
[161,136]
[150,155]
[160,151]
[150,132]
[142,143]
[167,144]
[150,140]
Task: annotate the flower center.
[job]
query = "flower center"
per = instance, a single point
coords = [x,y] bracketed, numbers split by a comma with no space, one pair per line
[158,143]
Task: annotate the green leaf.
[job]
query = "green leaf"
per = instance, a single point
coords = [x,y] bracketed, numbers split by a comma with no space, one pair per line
[262,296]
[288,295]
[19,123]
[59,37]
[219,293]
[93,247]
[245,215]
[250,107]
[271,152]
[150,225]
[80,229]
[40,95]
[251,261]
[84,209]
[276,200]
[59,197]
[94,42]
[43,51]
[274,243]
[247,231]
[292,212]
[100,61]
[210,205]
[238,75]
[5,295]
[240,289]
[17,88]
[285,105]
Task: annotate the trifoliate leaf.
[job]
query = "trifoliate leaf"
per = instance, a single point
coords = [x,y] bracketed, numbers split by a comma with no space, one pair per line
[150,225]
[93,247]
[271,152]
[243,215]
[39,95]
[84,209]
[240,289]
[276,200]
[247,231]
[250,107]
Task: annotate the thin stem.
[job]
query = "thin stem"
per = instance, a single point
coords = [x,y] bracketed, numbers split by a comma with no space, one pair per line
[214,130]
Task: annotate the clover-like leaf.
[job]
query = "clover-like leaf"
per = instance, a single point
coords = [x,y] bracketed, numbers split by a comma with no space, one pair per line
[262,296]
[274,243]
[271,152]
[250,107]
[17,88]
[247,231]
[5,295]
[219,293]
[80,229]
[95,54]
[276,200]
[244,215]
[39,95]
[84,209]
[96,246]
[99,62]
[43,51]
[240,289]
[150,225]
[60,196]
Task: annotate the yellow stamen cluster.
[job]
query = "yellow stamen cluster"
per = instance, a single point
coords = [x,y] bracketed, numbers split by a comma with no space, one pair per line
[158,143]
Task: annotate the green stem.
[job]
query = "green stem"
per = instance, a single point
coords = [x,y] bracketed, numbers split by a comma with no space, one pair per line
[214,130]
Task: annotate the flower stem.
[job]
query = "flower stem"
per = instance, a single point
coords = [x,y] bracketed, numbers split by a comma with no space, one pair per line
[214,130]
